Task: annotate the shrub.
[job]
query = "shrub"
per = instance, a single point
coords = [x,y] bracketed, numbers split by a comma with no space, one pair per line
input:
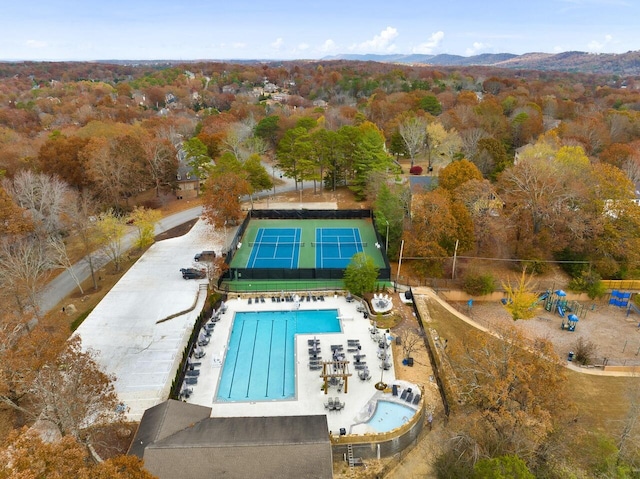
[478,284]
[416,170]
[590,283]
[584,351]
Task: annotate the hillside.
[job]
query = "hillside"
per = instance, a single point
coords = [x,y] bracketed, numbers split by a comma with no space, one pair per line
[625,64]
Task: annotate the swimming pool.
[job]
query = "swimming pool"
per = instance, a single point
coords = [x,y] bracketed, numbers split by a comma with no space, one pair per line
[390,415]
[259,364]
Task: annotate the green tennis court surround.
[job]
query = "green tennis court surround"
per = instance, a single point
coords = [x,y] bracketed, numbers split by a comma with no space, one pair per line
[270,245]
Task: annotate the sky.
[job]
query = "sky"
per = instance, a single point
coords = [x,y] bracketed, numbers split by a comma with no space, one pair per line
[63,30]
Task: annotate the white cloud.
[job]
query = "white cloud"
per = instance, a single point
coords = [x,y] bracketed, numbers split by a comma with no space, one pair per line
[239,45]
[596,46]
[278,43]
[303,46]
[36,44]
[328,46]
[379,43]
[476,47]
[432,43]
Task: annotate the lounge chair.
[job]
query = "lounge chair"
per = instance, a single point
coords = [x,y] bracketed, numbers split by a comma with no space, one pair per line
[404,394]
[337,405]
[192,372]
[186,392]
[190,381]
[262,299]
[329,404]
[409,397]
[394,389]
[203,341]
[315,367]
[321,298]
[416,399]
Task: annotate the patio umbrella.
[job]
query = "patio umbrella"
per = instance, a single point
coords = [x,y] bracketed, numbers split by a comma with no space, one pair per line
[573,317]
[561,293]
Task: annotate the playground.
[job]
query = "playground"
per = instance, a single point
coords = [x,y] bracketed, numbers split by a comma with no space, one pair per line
[613,328]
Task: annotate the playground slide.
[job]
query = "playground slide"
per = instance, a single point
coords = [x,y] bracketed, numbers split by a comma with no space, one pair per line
[561,311]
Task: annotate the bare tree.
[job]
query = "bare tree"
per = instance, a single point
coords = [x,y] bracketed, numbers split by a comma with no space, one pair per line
[162,163]
[44,196]
[60,259]
[82,216]
[24,266]
[411,339]
[413,131]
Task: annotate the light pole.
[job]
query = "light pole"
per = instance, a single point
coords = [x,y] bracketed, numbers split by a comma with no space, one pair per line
[386,245]
[273,176]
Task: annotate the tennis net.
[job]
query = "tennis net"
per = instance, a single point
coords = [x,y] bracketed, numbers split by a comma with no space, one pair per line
[355,244]
[276,243]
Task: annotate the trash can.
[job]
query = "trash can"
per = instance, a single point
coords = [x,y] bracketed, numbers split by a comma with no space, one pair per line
[570,356]
[410,362]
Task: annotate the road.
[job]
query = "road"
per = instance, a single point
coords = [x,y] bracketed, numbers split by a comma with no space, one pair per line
[63,284]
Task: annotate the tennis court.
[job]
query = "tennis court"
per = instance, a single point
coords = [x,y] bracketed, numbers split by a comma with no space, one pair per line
[336,246]
[275,248]
[301,249]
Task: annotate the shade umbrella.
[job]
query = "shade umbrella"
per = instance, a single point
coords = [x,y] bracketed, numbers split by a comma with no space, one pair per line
[561,293]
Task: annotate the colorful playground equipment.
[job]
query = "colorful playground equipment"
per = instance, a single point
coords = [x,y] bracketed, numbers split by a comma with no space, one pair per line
[557,301]
[572,321]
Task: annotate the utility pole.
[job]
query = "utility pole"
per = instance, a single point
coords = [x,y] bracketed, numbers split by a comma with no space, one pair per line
[455,254]
[400,261]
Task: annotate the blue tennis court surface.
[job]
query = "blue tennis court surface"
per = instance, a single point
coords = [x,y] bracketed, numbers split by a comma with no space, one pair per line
[259,364]
[336,246]
[275,248]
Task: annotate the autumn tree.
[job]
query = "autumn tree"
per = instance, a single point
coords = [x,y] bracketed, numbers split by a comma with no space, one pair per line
[110,231]
[221,198]
[25,349]
[62,156]
[13,219]
[520,299]
[74,395]
[144,220]
[512,393]
[434,230]
[25,455]
[457,173]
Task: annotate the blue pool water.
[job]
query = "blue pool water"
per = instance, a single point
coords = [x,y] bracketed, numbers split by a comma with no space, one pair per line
[390,415]
[259,364]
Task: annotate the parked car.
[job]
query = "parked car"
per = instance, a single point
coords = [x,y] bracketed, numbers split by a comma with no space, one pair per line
[192,273]
[205,256]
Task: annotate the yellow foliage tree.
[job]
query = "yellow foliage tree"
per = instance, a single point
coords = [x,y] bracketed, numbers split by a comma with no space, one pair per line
[520,301]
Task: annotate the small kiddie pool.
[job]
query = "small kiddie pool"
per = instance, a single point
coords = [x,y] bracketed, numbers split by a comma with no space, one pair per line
[389,415]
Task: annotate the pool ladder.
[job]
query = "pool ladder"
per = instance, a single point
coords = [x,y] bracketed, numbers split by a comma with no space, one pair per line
[352,462]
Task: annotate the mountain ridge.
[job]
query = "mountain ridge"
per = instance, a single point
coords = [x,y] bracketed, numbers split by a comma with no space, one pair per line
[625,64]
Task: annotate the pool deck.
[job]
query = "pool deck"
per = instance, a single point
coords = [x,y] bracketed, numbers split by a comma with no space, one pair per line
[310,398]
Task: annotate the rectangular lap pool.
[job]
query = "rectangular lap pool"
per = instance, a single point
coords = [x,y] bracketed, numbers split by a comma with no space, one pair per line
[259,364]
